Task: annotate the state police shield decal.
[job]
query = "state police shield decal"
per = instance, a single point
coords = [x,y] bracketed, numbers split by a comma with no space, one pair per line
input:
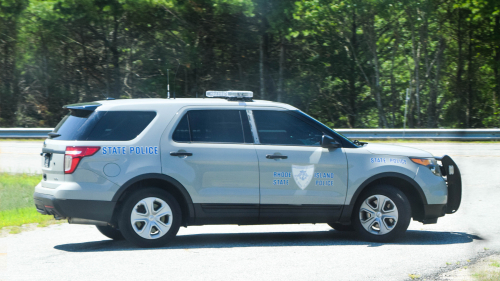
[302,175]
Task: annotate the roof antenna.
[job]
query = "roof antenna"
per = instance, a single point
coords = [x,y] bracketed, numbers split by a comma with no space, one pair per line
[178,64]
[168,85]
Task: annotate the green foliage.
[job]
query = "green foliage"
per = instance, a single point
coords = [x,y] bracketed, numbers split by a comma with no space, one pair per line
[347,63]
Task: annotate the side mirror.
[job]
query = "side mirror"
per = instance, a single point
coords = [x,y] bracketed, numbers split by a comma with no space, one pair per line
[329,142]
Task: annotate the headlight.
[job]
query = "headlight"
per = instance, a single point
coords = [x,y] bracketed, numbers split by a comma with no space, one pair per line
[430,163]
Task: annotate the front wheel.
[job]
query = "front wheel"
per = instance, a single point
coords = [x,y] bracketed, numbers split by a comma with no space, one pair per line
[382,214]
[150,217]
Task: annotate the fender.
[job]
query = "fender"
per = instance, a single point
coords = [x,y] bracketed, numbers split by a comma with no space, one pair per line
[177,185]
[347,210]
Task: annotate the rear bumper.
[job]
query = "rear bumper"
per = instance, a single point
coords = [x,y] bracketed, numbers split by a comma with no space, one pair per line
[70,208]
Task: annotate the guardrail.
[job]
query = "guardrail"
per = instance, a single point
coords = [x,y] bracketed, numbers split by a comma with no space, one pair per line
[364,134]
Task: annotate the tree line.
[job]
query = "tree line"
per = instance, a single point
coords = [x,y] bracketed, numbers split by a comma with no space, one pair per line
[350,64]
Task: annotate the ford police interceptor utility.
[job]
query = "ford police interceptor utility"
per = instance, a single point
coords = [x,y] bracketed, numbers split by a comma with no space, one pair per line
[139,169]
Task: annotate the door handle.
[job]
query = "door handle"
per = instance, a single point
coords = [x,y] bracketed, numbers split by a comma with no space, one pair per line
[173,153]
[273,156]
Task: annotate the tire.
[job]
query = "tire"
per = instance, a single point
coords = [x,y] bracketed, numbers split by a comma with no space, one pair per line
[385,223]
[149,218]
[341,227]
[110,232]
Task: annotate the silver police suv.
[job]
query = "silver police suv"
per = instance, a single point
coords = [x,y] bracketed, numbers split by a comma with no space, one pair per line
[139,169]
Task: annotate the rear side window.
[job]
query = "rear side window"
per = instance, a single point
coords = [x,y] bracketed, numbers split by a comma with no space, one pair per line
[103,125]
[216,126]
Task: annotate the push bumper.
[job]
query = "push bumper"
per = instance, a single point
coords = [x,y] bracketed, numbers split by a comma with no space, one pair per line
[69,208]
[451,173]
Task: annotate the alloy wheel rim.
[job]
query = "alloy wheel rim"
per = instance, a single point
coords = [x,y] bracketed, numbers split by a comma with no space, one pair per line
[378,214]
[151,218]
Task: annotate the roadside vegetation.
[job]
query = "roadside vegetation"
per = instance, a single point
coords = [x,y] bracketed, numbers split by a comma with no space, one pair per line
[16,201]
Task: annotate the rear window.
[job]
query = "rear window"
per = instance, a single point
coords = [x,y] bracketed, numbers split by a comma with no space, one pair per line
[103,125]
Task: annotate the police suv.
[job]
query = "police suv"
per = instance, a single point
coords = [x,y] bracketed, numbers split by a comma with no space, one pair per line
[139,169]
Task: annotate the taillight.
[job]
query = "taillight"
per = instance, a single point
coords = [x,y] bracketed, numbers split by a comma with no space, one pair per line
[74,154]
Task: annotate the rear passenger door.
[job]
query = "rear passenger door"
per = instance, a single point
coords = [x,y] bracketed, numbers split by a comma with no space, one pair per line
[211,153]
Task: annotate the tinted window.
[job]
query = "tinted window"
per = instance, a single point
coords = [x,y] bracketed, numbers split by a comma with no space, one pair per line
[219,126]
[103,125]
[279,127]
[181,133]
[121,125]
[77,124]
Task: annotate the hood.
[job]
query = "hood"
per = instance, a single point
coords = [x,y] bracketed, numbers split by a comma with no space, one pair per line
[396,150]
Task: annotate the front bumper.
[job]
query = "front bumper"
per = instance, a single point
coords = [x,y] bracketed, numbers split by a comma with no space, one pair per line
[70,208]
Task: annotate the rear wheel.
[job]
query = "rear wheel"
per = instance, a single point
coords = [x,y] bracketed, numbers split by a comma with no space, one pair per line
[150,217]
[382,214]
[110,232]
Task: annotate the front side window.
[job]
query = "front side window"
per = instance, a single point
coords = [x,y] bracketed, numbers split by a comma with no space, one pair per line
[215,126]
[282,128]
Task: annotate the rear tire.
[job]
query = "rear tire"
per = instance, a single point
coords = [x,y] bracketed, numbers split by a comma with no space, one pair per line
[110,232]
[381,214]
[341,227]
[150,217]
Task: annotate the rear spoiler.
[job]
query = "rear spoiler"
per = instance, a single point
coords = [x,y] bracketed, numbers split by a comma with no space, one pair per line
[90,106]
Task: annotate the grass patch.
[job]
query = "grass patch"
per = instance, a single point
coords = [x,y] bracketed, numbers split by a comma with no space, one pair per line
[18,217]
[495,264]
[487,276]
[16,201]
[16,190]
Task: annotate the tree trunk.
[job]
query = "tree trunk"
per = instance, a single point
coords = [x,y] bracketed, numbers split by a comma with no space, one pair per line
[376,87]
[261,67]
[496,65]
[460,58]
[353,108]
[117,85]
[416,60]
[281,70]
[470,74]
[394,94]
[432,115]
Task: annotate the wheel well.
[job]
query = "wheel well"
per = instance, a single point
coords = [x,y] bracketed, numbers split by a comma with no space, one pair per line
[158,183]
[417,206]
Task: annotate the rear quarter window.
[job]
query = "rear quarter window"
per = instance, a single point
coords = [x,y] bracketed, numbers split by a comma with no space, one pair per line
[103,125]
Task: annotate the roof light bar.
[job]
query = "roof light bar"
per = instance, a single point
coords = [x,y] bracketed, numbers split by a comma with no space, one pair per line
[230,94]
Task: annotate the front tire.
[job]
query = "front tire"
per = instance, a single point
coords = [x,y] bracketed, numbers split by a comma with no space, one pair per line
[150,217]
[382,214]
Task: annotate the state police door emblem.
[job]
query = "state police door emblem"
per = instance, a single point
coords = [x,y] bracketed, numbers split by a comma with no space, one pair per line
[302,175]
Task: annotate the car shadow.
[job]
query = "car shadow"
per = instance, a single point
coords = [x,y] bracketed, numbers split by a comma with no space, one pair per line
[276,239]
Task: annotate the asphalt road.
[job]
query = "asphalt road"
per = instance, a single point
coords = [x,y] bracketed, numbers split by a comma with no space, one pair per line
[291,252]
